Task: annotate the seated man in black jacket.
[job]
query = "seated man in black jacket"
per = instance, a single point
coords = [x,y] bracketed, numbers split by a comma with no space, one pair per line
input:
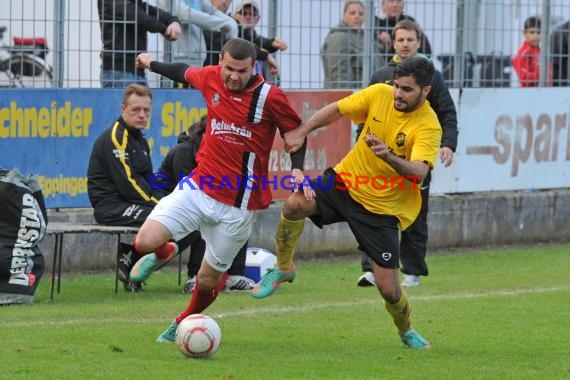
[407,37]
[117,177]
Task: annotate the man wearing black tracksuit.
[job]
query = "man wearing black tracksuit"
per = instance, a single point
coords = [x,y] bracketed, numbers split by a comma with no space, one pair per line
[118,176]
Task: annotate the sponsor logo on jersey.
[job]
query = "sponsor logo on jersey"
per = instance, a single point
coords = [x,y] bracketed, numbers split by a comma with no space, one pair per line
[221,127]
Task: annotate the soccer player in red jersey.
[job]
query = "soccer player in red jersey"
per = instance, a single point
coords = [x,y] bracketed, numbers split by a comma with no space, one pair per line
[221,196]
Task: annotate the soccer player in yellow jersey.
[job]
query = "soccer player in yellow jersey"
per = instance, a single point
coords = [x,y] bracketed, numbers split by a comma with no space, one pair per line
[375,188]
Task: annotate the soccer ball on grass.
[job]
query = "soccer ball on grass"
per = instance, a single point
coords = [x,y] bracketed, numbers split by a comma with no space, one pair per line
[198,336]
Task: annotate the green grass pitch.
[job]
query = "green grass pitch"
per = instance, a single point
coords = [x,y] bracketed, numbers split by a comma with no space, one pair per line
[488,315]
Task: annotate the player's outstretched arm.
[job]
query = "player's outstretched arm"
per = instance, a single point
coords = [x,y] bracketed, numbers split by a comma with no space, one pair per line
[174,71]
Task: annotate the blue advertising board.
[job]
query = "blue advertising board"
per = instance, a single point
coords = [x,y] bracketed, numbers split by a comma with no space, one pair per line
[50,133]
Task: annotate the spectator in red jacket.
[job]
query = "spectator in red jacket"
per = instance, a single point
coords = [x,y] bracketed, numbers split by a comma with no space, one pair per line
[527,60]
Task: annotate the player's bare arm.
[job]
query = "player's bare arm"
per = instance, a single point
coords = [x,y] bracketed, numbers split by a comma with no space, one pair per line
[409,169]
[294,140]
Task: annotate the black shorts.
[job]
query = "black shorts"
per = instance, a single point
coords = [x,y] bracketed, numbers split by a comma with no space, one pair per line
[377,235]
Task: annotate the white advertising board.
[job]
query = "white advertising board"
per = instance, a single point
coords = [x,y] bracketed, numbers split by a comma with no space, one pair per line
[509,139]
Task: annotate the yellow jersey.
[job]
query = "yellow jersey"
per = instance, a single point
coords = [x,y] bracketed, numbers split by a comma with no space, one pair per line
[413,136]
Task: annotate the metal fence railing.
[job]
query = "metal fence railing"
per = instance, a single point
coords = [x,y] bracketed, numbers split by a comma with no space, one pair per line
[472,42]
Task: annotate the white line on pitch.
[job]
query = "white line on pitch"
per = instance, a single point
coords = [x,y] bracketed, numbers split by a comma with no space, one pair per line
[293,309]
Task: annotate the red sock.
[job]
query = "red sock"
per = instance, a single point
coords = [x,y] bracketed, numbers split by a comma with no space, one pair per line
[165,251]
[201,299]
[137,247]
[222,282]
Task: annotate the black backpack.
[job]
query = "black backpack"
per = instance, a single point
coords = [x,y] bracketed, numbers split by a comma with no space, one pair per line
[23,224]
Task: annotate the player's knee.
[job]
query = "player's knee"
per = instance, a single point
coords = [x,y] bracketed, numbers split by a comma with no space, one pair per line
[391,293]
[151,235]
[142,244]
[390,289]
[295,207]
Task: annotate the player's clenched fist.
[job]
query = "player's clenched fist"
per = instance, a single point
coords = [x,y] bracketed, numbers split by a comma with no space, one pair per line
[143,60]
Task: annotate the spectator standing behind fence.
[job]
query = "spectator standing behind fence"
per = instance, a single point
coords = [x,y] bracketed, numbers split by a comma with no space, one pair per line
[179,162]
[247,15]
[527,60]
[215,39]
[413,241]
[195,17]
[124,26]
[118,176]
[560,51]
[394,12]
[343,49]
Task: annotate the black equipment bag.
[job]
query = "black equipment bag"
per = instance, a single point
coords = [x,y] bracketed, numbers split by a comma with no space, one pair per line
[23,224]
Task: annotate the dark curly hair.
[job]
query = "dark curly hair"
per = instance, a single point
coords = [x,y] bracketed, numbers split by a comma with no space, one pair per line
[419,67]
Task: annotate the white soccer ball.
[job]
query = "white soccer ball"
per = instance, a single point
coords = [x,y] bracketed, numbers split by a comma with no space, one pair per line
[198,336]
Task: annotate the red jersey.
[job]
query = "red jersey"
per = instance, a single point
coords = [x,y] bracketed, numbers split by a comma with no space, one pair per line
[233,158]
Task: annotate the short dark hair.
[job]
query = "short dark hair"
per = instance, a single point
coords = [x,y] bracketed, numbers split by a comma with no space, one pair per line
[196,130]
[407,25]
[239,49]
[138,89]
[420,68]
[532,22]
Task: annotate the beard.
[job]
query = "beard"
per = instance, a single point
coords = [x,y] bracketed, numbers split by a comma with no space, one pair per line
[408,107]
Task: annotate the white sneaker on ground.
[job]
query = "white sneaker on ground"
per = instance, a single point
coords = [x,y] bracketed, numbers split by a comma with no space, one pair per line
[410,280]
[367,279]
[236,282]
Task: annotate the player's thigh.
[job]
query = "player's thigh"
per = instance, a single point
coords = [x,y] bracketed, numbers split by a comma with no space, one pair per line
[225,238]
[377,236]
[330,201]
[180,212]
[151,235]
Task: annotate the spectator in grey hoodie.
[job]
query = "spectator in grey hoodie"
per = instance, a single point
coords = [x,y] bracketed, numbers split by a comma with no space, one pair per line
[343,49]
[195,16]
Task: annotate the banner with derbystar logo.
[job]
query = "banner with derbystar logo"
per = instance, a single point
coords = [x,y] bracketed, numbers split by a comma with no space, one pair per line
[51,132]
